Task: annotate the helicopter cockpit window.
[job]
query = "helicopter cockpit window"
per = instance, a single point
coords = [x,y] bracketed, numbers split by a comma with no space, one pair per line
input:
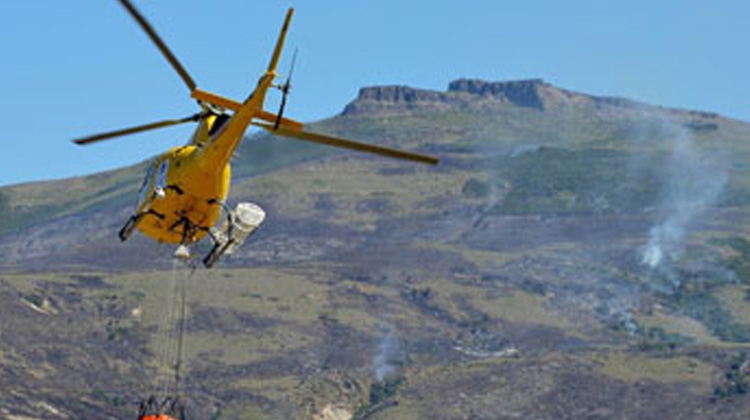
[161,176]
[147,185]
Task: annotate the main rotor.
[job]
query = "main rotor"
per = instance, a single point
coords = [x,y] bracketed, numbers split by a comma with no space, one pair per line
[215,105]
[207,109]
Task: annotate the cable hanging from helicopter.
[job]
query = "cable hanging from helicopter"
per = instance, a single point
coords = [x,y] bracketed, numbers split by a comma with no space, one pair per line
[166,402]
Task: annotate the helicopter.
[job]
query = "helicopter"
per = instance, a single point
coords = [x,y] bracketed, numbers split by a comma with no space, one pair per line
[183,195]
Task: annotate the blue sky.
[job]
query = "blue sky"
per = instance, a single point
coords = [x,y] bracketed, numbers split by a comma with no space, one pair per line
[83,66]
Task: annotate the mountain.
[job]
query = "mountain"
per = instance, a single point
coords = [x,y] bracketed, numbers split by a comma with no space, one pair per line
[571,256]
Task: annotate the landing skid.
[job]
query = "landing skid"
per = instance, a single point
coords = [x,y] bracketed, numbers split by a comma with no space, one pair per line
[129,227]
[216,252]
[132,223]
[241,224]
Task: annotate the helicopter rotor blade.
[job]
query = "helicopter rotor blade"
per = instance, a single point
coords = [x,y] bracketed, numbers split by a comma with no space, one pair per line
[347,144]
[291,67]
[137,129]
[159,44]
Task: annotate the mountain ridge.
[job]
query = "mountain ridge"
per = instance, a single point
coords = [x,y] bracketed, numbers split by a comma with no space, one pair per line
[528,93]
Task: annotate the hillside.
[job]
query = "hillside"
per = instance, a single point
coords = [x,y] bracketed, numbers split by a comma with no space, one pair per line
[572,256]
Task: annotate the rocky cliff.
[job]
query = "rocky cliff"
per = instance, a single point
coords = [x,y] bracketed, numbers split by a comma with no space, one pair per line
[533,94]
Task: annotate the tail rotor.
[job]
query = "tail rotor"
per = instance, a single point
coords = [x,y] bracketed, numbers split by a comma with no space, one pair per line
[285,88]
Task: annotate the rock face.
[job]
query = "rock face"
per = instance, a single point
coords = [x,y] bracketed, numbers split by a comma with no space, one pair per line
[397,99]
[534,94]
[524,93]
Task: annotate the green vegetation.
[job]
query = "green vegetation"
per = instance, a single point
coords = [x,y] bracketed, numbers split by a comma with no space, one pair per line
[675,326]
[12,219]
[697,301]
[561,181]
[636,367]
[380,392]
[736,380]
[115,331]
[740,262]
[31,204]
[266,153]
[735,196]
[387,388]
[736,298]
[35,299]
[4,205]
[657,338]
[474,188]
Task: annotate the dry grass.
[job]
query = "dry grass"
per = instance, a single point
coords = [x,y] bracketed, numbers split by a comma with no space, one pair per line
[294,191]
[733,298]
[681,325]
[633,368]
[523,308]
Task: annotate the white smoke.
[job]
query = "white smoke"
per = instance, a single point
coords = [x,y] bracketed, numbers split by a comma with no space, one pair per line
[388,355]
[694,181]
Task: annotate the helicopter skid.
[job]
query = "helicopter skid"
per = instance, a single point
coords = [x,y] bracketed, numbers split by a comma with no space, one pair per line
[216,252]
[129,227]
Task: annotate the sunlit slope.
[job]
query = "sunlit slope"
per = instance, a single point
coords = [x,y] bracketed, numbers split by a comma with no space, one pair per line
[518,147]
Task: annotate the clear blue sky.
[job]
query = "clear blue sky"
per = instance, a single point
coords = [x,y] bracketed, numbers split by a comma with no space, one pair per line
[71,68]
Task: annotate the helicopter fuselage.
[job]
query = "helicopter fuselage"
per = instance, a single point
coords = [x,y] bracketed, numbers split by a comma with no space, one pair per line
[185,189]
[182,196]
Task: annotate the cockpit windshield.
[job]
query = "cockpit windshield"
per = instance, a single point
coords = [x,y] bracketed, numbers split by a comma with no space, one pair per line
[155,179]
[147,184]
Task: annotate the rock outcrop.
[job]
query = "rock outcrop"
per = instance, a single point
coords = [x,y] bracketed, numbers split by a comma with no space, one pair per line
[524,93]
[534,95]
[397,99]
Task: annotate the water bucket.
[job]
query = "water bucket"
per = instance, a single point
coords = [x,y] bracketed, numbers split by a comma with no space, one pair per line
[246,217]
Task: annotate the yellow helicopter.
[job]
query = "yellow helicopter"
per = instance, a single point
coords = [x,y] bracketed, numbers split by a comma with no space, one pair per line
[184,191]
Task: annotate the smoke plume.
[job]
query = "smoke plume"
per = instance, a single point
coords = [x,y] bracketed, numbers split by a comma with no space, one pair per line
[694,180]
[388,356]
